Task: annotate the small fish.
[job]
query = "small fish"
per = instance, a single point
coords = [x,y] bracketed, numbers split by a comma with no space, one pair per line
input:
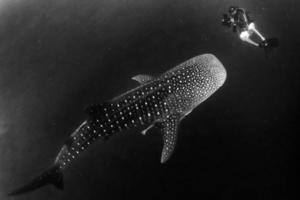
[160,102]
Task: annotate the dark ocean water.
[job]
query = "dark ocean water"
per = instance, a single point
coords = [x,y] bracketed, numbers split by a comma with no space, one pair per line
[57,56]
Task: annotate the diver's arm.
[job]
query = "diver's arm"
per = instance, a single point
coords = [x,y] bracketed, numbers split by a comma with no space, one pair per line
[244,14]
[248,17]
[226,21]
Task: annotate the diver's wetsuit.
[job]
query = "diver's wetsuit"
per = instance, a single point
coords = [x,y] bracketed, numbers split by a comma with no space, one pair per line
[240,21]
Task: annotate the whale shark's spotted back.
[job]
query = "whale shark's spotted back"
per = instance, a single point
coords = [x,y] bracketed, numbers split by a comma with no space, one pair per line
[158,101]
[195,80]
[175,92]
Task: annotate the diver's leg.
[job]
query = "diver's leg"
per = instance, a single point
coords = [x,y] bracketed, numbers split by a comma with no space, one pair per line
[251,27]
[251,42]
[245,36]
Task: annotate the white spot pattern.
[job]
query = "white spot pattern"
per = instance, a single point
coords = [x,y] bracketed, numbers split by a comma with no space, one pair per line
[178,90]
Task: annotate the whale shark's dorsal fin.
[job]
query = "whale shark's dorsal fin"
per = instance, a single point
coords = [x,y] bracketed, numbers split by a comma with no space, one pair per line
[169,129]
[142,78]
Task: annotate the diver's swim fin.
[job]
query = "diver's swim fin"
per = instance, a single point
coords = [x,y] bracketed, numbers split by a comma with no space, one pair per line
[269,44]
[51,176]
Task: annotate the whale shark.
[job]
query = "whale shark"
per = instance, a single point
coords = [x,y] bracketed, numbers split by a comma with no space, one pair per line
[161,101]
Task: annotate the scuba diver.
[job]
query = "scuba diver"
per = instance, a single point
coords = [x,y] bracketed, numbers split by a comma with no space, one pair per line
[239,20]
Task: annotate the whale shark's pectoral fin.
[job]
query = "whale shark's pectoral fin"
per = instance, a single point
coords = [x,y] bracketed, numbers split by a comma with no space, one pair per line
[169,129]
[147,129]
[142,78]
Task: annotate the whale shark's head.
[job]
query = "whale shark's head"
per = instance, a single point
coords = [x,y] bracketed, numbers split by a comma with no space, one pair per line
[214,67]
[208,74]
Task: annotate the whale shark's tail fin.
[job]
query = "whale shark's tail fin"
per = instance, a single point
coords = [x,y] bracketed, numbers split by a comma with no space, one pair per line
[51,176]
[86,134]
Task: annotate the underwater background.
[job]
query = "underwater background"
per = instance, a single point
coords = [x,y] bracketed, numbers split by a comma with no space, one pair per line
[57,56]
